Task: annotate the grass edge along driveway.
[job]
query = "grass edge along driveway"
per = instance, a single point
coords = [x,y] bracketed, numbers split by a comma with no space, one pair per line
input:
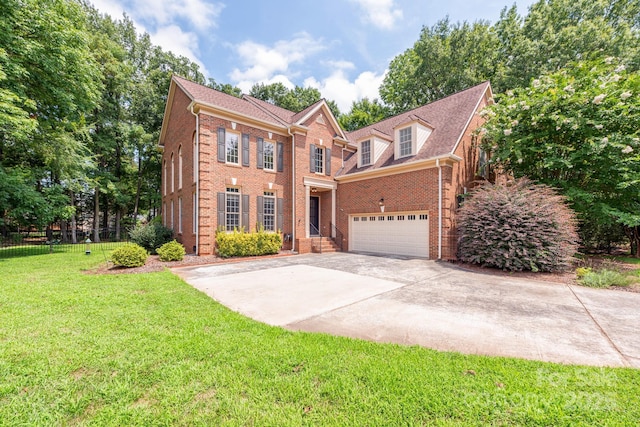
[147,349]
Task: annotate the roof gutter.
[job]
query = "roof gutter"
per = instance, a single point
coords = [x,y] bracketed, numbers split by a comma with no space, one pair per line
[196,174]
[439,208]
[293,189]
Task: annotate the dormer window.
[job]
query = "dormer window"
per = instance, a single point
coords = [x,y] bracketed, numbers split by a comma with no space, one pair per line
[405,142]
[365,152]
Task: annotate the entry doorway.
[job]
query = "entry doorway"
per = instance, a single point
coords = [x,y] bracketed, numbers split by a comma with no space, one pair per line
[314,216]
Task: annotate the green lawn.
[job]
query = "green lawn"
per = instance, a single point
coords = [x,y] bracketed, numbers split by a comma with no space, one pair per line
[80,349]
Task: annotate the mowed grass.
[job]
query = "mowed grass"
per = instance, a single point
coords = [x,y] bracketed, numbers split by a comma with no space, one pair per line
[82,349]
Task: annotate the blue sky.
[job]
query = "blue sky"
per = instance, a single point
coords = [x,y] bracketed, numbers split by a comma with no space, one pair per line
[341,47]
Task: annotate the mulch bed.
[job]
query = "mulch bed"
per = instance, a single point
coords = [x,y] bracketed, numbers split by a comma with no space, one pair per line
[566,278]
[154,264]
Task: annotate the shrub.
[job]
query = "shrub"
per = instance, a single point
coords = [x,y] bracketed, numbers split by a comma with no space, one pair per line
[171,251]
[129,255]
[604,279]
[515,227]
[582,271]
[240,243]
[151,236]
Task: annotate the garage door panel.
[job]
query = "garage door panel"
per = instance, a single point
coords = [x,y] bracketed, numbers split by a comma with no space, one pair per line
[404,233]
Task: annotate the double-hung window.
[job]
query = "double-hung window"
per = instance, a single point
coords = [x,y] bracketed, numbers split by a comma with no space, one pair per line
[269,211]
[267,155]
[232,146]
[405,142]
[232,209]
[365,149]
[319,159]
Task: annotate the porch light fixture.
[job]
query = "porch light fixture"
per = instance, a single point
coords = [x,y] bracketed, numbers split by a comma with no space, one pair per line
[314,190]
[381,204]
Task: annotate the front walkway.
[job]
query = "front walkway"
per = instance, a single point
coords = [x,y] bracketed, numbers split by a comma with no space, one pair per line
[435,305]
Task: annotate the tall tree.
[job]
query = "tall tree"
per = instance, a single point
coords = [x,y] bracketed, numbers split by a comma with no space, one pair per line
[363,113]
[48,81]
[576,130]
[450,57]
[446,58]
[296,99]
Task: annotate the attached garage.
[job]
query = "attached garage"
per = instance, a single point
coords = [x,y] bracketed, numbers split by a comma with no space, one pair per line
[394,233]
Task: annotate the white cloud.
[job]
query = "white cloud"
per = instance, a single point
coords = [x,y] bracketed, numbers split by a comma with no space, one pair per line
[381,13]
[172,38]
[339,88]
[264,63]
[342,65]
[201,14]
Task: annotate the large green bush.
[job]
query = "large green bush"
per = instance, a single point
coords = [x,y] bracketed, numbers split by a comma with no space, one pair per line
[240,243]
[151,236]
[171,251]
[515,227]
[129,255]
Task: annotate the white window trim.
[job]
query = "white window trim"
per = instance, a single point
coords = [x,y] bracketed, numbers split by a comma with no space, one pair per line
[173,173]
[411,142]
[179,215]
[271,196]
[234,191]
[362,162]
[180,167]
[238,137]
[273,155]
[321,149]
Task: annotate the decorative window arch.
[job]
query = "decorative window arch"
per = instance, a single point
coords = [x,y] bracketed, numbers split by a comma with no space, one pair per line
[180,167]
[173,174]
[164,181]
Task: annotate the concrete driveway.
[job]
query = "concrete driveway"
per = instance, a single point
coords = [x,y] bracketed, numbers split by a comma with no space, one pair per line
[431,304]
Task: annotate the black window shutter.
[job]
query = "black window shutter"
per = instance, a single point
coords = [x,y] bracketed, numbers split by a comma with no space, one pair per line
[260,155]
[260,212]
[245,212]
[280,214]
[280,157]
[312,158]
[245,149]
[222,149]
[221,210]
[327,161]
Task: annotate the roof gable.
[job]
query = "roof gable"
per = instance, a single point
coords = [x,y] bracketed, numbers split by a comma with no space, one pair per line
[448,117]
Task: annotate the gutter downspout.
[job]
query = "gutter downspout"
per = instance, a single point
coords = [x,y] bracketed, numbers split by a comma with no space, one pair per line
[293,189]
[439,208]
[196,174]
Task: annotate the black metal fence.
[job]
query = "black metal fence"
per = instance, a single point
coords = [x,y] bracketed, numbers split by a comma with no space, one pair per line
[44,242]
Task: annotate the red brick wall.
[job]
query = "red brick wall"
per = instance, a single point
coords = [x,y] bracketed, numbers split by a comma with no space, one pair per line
[316,133]
[216,176]
[410,191]
[179,136]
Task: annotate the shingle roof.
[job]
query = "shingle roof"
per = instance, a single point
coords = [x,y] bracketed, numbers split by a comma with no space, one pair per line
[281,113]
[206,95]
[448,117]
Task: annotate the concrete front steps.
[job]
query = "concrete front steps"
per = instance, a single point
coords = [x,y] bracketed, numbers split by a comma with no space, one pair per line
[323,245]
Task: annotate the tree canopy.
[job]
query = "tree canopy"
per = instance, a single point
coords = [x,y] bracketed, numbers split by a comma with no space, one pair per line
[578,130]
[449,57]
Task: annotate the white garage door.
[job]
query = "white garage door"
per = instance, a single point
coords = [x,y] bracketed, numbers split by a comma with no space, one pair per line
[404,233]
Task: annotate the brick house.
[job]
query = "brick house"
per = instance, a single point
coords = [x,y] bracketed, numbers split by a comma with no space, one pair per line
[389,188]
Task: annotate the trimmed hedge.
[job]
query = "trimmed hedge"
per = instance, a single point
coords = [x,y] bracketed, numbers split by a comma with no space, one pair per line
[240,243]
[515,227]
[171,251]
[129,255]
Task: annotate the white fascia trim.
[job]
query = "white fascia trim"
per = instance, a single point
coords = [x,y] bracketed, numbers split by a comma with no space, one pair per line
[475,110]
[320,183]
[399,168]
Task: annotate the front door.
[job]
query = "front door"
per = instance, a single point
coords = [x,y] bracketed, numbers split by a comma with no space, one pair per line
[314,216]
